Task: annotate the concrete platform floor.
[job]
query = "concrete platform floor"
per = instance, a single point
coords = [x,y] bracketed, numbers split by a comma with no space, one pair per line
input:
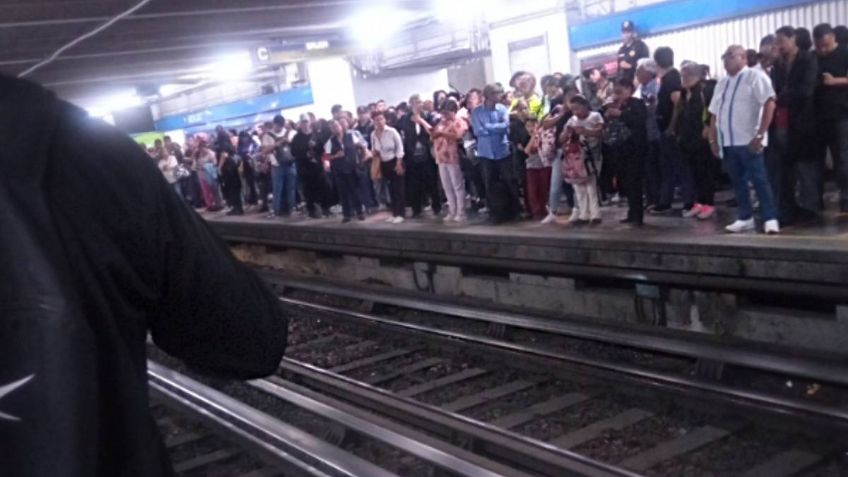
[829,233]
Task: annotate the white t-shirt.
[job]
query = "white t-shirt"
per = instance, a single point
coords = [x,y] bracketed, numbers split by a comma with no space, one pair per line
[268,140]
[593,121]
[738,106]
[389,145]
[167,167]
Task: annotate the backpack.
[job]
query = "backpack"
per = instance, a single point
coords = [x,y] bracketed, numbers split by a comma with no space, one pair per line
[578,164]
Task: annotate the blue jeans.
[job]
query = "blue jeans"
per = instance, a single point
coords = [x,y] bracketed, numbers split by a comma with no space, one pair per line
[742,166]
[365,187]
[558,186]
[283,182]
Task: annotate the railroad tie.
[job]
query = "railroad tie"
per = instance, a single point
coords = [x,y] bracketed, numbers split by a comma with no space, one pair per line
[541,409]
[204,460]
[412,368]
[182,439]
[360,363]
[316,341]
[488,395]
[441,382]
[592,431]
[688,442]
[784,464]
[263,472]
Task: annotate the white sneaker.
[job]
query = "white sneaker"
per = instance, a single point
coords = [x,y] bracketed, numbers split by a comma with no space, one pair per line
[450,218]
[551,218]
[390,220]
[460,219]
[575,216]
[741,226]
[772,227]
[397,220]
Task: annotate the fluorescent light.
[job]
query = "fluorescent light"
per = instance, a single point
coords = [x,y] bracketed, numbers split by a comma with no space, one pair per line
[371,28]
[170,88]
[104,106]
[231,67]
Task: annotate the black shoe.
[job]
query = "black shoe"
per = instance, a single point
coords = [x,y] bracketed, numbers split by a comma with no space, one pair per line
[263,209]
[596,221]
[843,208]
[626,221]
[661,210]
[346,220]
[581,222]
[314,215]
[235,212]
[360,217]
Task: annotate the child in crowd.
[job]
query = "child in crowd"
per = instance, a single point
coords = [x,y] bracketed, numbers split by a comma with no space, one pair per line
[582,158]
[540,154]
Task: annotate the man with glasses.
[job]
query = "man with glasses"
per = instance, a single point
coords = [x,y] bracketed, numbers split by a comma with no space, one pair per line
[743,106]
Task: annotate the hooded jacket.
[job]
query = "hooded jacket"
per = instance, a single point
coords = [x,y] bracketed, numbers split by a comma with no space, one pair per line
[97,251]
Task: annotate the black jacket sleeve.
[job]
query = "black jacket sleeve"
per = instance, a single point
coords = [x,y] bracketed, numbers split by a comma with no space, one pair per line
[214,313]
[800,85]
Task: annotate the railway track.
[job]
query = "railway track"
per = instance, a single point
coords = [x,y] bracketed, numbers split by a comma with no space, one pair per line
[416,387]
[633,417]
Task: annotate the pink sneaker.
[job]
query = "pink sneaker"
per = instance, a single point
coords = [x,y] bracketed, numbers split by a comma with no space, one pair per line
[706,212]
[694,211]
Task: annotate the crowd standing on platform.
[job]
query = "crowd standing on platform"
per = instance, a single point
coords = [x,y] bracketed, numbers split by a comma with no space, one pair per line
[649,133]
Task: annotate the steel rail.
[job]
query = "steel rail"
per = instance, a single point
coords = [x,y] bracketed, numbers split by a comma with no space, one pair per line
[754,400]
[300,450]
[772,360]
[501,444]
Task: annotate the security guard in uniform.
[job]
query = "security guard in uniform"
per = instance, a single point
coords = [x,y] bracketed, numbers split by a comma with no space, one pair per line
[631,51]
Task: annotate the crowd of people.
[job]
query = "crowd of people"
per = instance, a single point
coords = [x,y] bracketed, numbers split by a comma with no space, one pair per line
[648,134]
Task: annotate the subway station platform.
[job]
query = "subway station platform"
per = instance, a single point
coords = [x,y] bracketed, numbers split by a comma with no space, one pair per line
[807,260]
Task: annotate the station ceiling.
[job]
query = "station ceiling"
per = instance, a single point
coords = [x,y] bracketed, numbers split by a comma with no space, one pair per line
[160,42]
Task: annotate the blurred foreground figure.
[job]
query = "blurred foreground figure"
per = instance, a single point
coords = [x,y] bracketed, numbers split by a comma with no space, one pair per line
[96,250]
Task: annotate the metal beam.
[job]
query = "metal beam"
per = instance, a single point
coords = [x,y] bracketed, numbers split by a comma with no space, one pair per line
[182,13]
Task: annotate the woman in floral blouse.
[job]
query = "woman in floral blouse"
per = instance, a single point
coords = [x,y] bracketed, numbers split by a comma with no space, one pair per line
[446,136]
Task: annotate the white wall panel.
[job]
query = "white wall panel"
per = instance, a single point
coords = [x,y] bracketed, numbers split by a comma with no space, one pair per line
[398,87]
[706,43]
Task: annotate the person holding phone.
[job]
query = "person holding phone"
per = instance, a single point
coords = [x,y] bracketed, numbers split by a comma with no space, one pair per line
[742,107]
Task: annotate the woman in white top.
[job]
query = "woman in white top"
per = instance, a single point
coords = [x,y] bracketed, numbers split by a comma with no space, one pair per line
[387,146]
[168,165]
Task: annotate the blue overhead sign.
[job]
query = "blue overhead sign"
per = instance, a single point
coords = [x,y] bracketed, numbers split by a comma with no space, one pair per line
[668,16]
[276,102]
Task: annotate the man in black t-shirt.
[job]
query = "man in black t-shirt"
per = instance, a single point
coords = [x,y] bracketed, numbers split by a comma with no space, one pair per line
[831,106]
[671,163]
[631,51]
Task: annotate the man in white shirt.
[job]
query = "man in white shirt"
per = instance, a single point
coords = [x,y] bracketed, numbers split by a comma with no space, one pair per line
[743,106]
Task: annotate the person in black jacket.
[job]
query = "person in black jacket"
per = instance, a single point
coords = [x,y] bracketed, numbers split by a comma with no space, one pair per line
[307,152]
[84,282]
[691,132]
[794,81]
[422,174]
[632,150]
[831,103]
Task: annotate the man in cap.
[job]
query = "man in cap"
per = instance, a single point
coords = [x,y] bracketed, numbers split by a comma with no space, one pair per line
[631,51]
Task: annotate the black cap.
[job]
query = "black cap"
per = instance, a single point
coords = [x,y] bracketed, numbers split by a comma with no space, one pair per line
[628,26]
[279,120]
